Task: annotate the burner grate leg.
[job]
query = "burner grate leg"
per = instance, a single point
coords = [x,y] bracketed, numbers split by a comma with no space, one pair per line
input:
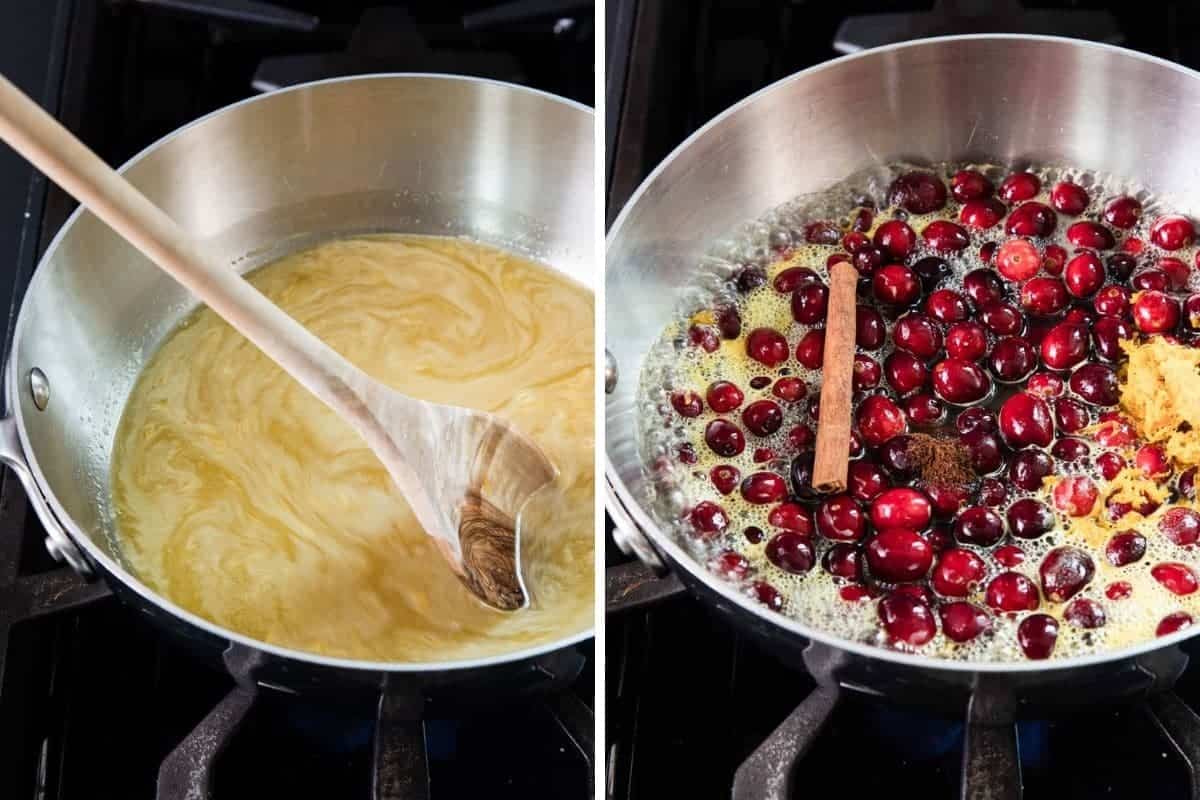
[186,774]
[1181,726]
[766,774]
[991,765]
[579,723]
[401,769]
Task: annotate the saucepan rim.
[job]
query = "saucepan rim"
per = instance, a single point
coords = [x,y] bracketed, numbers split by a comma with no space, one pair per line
[680,558]
[112,568]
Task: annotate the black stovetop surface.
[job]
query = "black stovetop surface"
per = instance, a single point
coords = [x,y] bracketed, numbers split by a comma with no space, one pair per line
[688,699]
[91,698]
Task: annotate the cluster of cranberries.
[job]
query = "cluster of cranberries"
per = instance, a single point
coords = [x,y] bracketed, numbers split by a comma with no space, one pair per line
[1016,358]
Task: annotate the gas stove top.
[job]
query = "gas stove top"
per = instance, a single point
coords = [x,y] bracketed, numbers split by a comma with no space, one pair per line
[693,710]
[95,703]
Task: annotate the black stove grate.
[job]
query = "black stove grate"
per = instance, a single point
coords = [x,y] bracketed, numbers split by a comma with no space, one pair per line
[693,710]
[95,703]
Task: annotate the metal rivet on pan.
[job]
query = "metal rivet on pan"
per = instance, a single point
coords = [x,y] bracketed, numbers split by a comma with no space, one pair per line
[610,372]
[39,387]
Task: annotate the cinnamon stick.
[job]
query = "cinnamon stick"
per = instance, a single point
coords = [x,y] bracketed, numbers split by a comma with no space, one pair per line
[837,367]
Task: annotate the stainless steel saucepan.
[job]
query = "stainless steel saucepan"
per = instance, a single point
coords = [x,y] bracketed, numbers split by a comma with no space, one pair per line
[1006,99]
[399,153]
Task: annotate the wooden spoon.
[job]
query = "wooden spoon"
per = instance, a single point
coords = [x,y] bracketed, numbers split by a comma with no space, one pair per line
[466,474]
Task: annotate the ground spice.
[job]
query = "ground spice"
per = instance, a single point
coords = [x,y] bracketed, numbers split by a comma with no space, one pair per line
[940,460]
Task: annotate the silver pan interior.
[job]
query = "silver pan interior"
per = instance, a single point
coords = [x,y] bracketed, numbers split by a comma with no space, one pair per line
[993,98]
[410,153]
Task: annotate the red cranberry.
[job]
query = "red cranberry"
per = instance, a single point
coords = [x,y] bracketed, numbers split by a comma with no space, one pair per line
[763,417]
[1028,467]
[809,304]
[879,419]
[946,305]
[1019,186]
[708,519]
[810,350]
[1044,296]
[789,389]
[905,372]
[1090,236]
[1110,465]
[960,382]
[723,396]
[1173,623]
[966,340]
[1176,578]
[1054,259]
[1177,272]
[862,220]
[894,457]
[982,213]
[1191,311]
[1118,590]
[924,409]
[724,438]
[1181,526]
[800,437]
[792,278]
[731,565]
[1069,198]
[898,554]
[1171,232]
[763,487]
[1120,265]
[767,594]
[969,184]
[729,321]
[931,270]
[983,287]
[1122,212]
[1085,613]
[957,572]
[1152,461]
[704,337]
[869,333]
[1070,450]
[1075,496]
[962,622]
[1065,571]
[896,238]
[1187,483]
[1115,431]
[944,236]
[1096,384]
[836,258]
[1017,260]
[1084,275]
[946,499]
[976,419]
[840,518]
[866,372]
[1037,635]
[901,507]
[822,232]
[1012,591]
[917,192]
[992,492]
[866,480]
[979,526]
[1025,420]
[1046,384]
[854,593]
[792,517]
[1107,334]
[1151,280]
[984,450]
[907,619]
[1002,319]
[760,382]
[763,454]
[767,346]
[687,403]
[1029,519]
[896,284]
[1013,359]
[1065,346]
[917,334]
[1155,312]
[843,561]
[791,552]
[725,477]
[1031,219]
[1009,555]
[1112,301]
[1125,548]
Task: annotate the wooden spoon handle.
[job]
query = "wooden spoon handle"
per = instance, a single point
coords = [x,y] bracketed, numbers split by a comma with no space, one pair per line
[68,162]
[837,369]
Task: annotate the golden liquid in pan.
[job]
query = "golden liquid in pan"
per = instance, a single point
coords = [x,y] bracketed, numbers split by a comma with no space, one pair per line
[242,498]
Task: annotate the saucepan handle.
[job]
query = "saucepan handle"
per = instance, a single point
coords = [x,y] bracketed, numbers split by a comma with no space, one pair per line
[640,582]
[58,543]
